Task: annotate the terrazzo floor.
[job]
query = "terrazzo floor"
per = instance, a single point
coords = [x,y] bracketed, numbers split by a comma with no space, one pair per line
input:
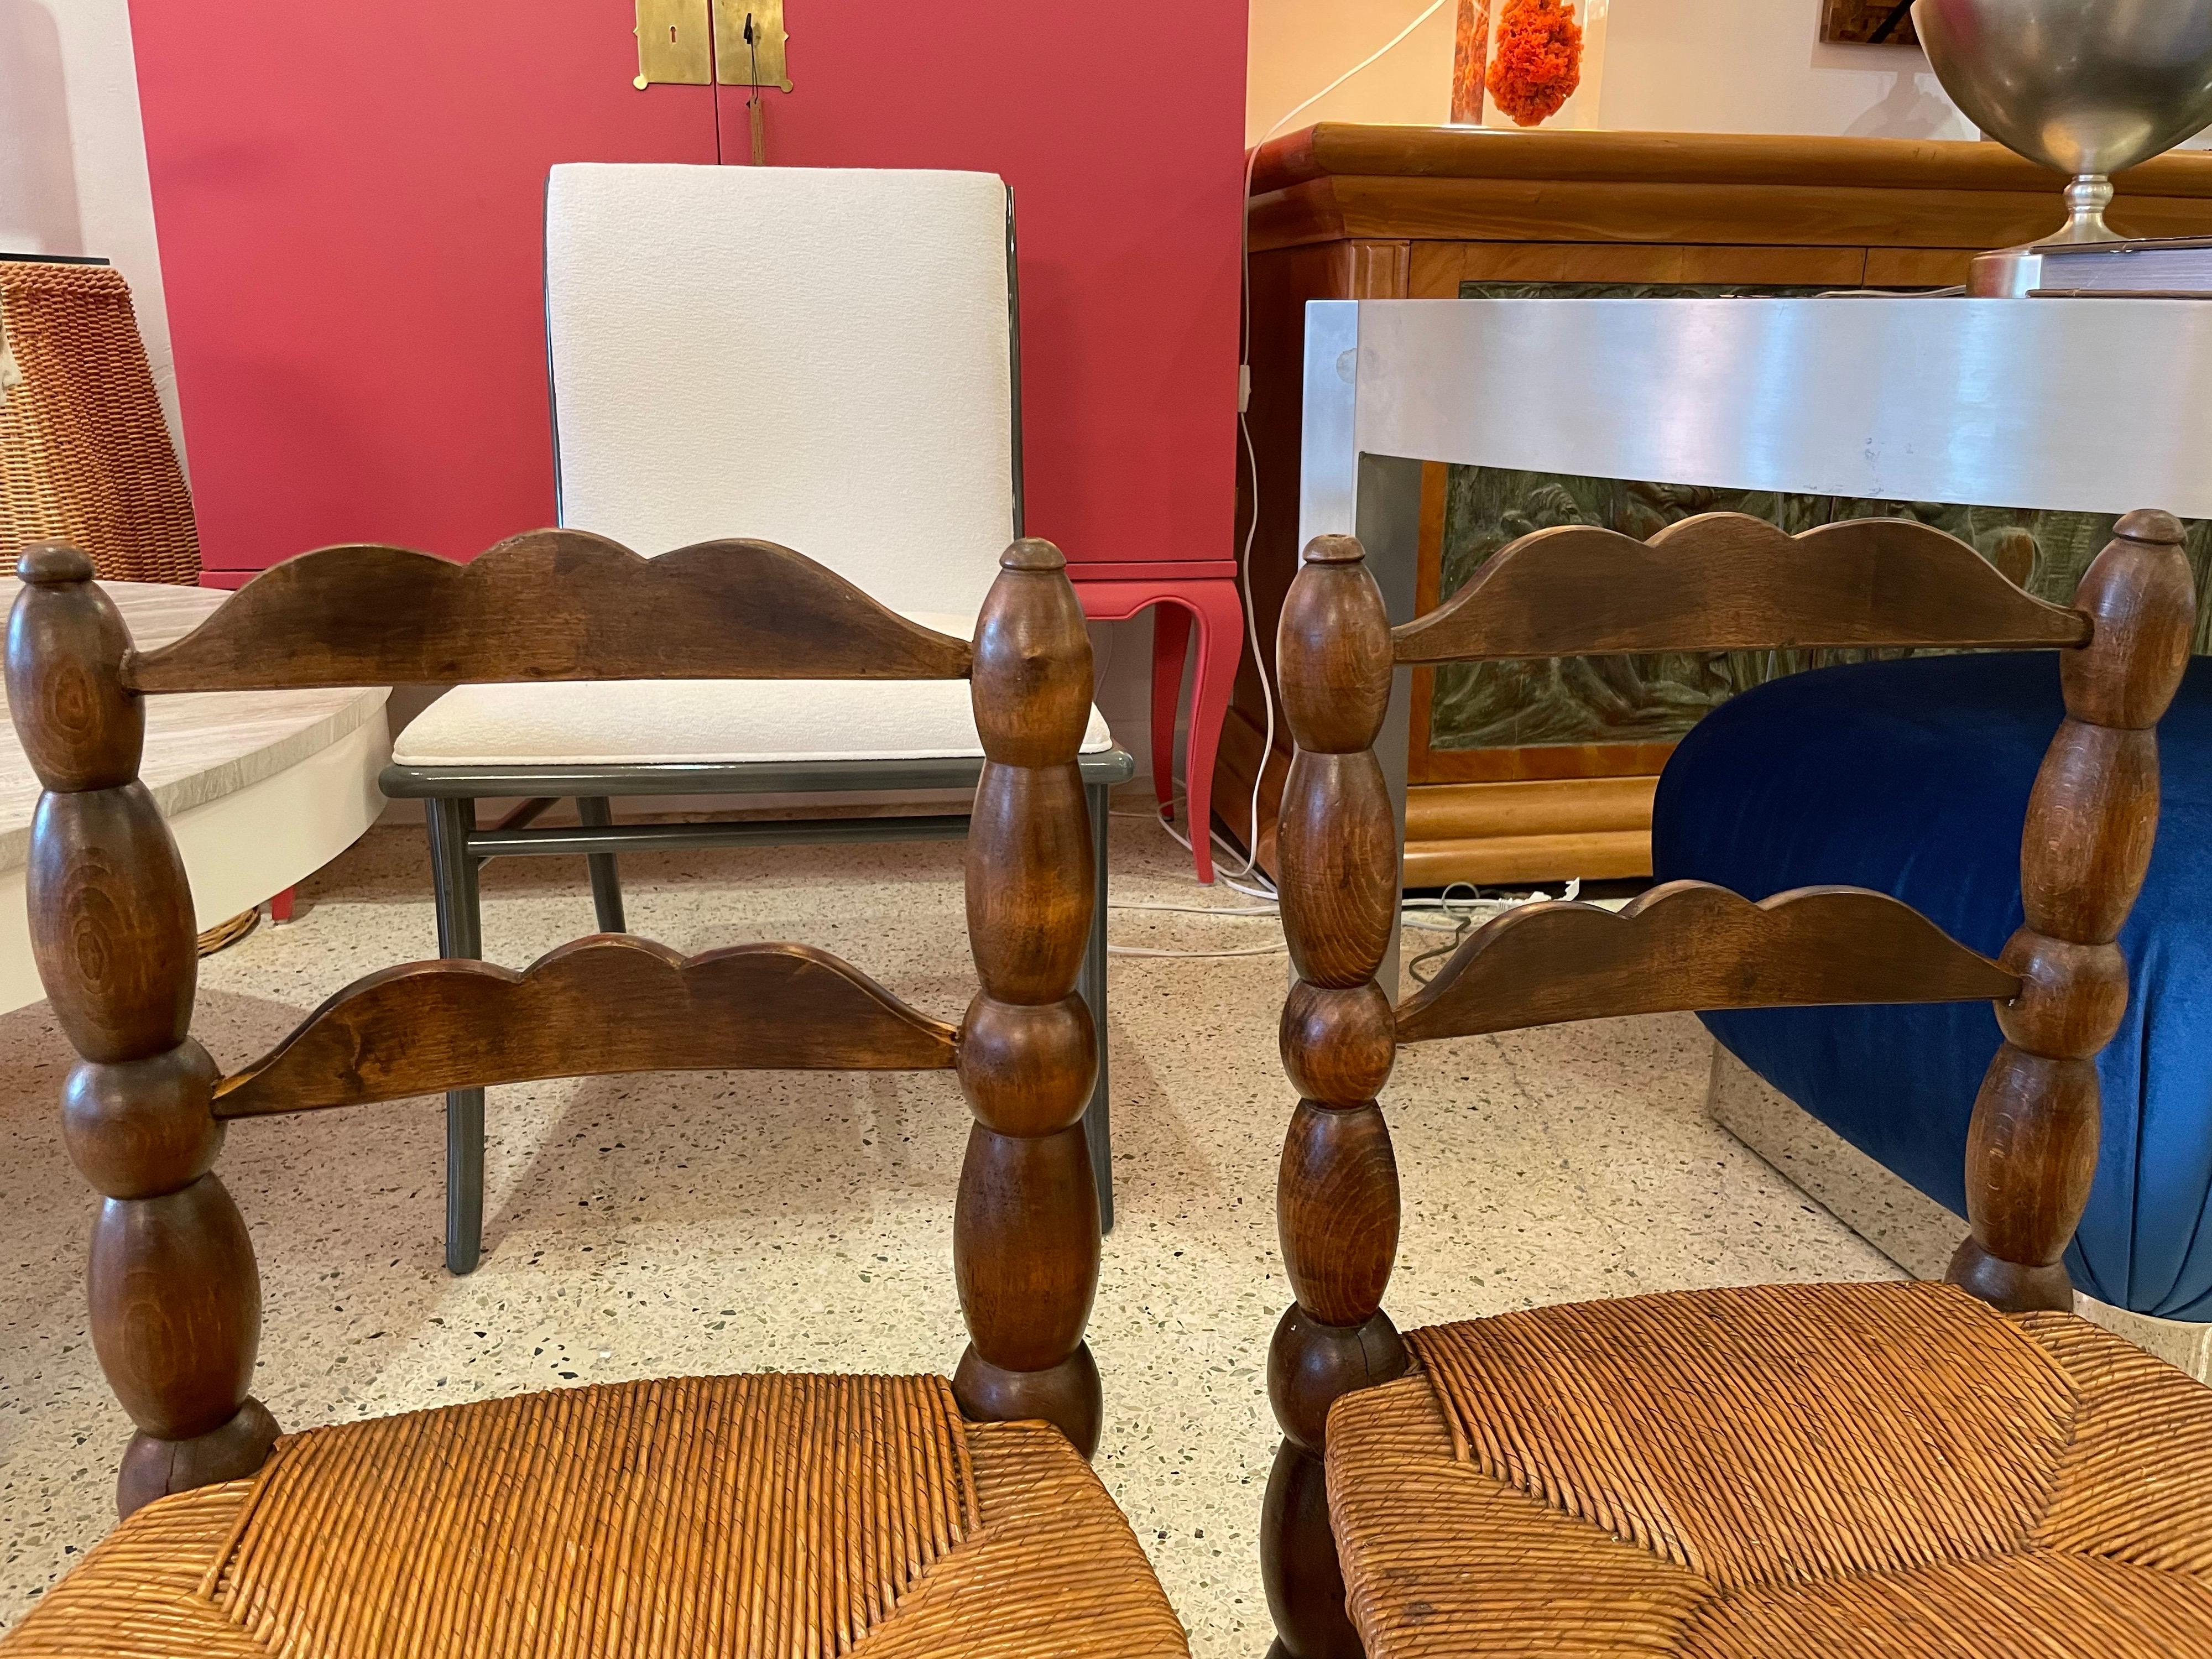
[647,1225]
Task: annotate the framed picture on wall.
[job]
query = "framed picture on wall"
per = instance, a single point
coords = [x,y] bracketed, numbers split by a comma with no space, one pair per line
[1868,23]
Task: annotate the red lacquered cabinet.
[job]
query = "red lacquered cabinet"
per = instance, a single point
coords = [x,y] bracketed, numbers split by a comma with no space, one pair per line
[350,204]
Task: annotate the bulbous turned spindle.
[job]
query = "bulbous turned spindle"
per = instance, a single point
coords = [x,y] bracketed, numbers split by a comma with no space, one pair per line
[176,1298]
[2091,819]
[1025,1226]
[1336,1197]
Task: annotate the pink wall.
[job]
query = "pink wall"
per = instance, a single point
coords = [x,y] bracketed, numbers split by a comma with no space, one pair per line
[349,203]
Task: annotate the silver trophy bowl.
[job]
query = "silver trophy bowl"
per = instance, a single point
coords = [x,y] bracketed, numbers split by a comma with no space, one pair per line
[2084,86]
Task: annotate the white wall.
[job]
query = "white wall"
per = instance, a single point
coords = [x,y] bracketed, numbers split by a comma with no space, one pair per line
[1757,66]
[1670,66]
[1295,47]
[73,154]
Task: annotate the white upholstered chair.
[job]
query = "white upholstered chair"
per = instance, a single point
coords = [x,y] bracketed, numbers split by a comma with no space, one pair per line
[828,359]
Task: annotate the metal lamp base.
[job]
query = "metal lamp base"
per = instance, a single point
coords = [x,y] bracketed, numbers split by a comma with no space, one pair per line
[2014,273]
[2010,273]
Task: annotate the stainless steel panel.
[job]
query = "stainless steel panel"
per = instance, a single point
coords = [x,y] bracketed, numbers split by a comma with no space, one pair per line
[2083,405]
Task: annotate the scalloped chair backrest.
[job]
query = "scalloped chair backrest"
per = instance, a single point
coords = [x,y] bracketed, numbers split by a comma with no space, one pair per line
[821,356]
[1717,582]
[174,1292]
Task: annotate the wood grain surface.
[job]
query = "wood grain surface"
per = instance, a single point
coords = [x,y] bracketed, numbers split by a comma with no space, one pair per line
[2091,822]
[1370,209]
[174,1295]
[1687,946]
[551,605]
[594,1007]
[1338,148]
[1726,581]
[1025,1227]
[1336,1200]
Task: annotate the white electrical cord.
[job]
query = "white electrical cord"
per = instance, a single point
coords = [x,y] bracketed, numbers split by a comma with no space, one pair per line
[1199,909]
[1165,817]
[1457,917]
[1251,455]
[1193,956]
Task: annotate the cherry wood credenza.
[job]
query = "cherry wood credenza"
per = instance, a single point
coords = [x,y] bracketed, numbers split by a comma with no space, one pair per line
[1532,782]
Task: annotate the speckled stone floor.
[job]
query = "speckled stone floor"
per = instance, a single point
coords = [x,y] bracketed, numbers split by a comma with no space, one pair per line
[725,1222]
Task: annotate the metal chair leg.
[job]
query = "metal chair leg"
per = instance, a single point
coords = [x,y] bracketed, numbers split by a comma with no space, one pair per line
[606,880]
[460,933]
[1097,1127]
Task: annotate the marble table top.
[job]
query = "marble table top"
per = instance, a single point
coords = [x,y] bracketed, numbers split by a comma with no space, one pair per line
[199,746]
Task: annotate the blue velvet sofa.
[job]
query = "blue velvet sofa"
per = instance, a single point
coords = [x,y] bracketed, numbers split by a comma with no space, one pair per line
[1912,777]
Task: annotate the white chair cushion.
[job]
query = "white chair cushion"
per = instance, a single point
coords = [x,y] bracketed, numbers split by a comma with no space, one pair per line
[718,722]
[816,356]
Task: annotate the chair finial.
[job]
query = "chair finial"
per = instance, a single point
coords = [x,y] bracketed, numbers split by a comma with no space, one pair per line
[52,564]
[2149,525]
[1334,549]
[1032,553]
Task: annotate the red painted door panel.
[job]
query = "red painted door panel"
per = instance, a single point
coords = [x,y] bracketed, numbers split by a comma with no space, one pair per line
[350,200]
[1123,136]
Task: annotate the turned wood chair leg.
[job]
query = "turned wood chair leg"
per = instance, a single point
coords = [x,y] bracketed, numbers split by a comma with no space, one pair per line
[606,881]
[175,1297]
[1025,1226]
[1097,1119]
[1336,1196]
[460,933]
[2091,820]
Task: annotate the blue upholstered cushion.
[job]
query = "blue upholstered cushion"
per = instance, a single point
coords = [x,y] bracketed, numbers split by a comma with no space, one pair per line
[1913,777]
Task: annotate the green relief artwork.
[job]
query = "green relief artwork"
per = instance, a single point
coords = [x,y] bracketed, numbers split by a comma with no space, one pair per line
[1655,699]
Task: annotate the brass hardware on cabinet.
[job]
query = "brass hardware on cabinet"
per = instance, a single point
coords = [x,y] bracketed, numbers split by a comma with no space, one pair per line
[674,43]
[757,60]
[694,43]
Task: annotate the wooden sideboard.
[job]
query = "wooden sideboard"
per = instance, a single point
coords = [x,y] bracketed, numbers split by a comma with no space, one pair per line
[1383,212]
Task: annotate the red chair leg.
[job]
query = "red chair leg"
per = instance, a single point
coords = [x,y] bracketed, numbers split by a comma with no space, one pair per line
[1170,644]
[1178,598]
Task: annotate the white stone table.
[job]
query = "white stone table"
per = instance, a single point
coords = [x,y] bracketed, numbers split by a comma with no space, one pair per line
[260,789]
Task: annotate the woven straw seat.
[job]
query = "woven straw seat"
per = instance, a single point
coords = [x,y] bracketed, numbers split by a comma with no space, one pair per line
[739,1517]
[1784,1470]
[1849,1472]
[755,1516]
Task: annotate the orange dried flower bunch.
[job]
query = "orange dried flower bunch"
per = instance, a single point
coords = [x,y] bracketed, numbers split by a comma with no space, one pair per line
[1538,61]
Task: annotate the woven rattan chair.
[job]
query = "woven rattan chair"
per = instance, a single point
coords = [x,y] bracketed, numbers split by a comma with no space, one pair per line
[772,1515]
[85,456]
[1861,1470]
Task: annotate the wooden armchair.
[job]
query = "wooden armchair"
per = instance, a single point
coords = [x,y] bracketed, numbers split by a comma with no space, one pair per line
[773,1514]
[1857,1469]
